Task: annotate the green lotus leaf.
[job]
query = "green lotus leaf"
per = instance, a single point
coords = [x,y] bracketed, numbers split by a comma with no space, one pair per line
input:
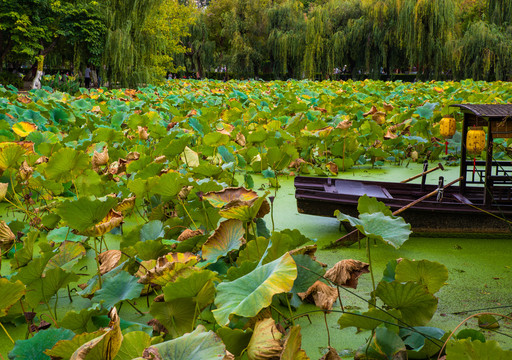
[393,231]
[417,337]
[227,237]
[64,233]
[68,255]
[190,157]
[236,340]
[466,349]
[308,272]
[11,293]
[414,302]
[197,345]
[215,139]
[46,287]
[10,156]
[282,242]
[133,345]
[142,187]
[370,205]
[65,164]
[33,348]
[152,230]
[471,334]
[247,295]
[368,320]
[429,273]
[122,286]
[178,316]
[245,211]
[224,197]
[198,286]
[65,348]
[85,212]
[292,345]
[384,344]
[235,272]
[253,250]
[169,184]
[80,322]
[207,169]
[24,255]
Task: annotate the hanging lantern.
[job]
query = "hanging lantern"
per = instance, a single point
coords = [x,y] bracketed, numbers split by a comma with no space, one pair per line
[475,141]
[447,129]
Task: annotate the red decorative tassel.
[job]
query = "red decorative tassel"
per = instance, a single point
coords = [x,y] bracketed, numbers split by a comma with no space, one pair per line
[474,165]
[446,148]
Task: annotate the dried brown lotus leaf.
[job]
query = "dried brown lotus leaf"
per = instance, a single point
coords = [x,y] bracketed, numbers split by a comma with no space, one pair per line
[143,132]
[345,124]
[265,342]
[160,159]
[379,117]
[108,260]
[3,190]
[240,139]
[158,328]
[99,159]
[322,295]
[188,233]
[228,356]
[346,272]
[388,107]
[333,168]
[166,268]
[390,135]
[184,192]
[6,236]
[297,163]
[372,111]
[134,155]
[114,168]
[26,171]
[332,354]
[42,159]
[264,209]
[229,196]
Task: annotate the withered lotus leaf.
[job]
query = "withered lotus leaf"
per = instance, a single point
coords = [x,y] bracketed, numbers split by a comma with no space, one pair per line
[100,158]
[240,139]
[108,260]
[222,198]
[346,272]
[387,107]
[26,171]
[372,111]
[3,190]
[345,124]
[125,205]
[322,295]
[6,236]
[111,221]
[333,168]
[188,233]
[332,354]
[166,268]
[265,342]
[143,132]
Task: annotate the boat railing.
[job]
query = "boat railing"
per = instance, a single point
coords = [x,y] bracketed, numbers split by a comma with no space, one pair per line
[501,172]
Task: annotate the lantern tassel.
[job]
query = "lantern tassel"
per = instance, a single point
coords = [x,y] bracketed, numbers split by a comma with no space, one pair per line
[474,165]
[446,147]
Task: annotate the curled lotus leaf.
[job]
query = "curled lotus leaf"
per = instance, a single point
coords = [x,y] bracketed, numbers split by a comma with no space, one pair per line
[125,205]
[227,237]
[23,128]
[346,272]
[69,254]
[104,346]
[109,260]
[142,131]
[246,210]
[111,221]
[372,111]
[322,295]
[26,171]
[100,158]
[332,354]
[3,190]
[265,341]
[167,268]
[11,293]
[292,345]
[189,233]
[222,198]
[6,236]
[10,155]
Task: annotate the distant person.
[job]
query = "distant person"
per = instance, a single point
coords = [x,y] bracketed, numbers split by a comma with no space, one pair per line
[87,77]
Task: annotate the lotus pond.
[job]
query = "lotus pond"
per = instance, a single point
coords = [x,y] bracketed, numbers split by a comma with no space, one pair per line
[144,223]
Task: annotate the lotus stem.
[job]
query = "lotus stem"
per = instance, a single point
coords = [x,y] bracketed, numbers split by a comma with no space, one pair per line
[97,262]
[371,266]
[133,306]
[188,214]
[289,309]
[327,328]
[6,332]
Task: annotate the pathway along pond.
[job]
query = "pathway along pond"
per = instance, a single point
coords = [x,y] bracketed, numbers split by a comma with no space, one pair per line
[479,269]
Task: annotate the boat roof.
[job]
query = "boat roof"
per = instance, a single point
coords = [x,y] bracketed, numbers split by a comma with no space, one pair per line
[488,110]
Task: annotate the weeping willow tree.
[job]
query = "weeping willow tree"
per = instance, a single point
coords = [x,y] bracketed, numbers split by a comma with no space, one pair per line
[199,57]
[483,53]
[317,43]
[425,27]
[286,38]
[142,36]
[500,12]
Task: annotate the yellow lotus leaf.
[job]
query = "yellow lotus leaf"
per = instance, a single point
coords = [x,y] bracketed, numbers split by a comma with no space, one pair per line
[379,117]
[23,128]
[166,268]
[221,198]
[3,190]
[111,221]
[125,205]
[6,236]
[265,342]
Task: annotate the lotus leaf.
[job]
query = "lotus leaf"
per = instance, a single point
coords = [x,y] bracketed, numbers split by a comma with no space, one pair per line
[197,345]
[415,303]
[10,156]
[122,286]
[227,237]
[65,164]
[133,345]
[384,344]
[292,345]
[236,340]
[308,272]
[197,286]
[321,294]
[368,320]
[85,213]
[466,349]
[265,341]
[221,198]
[6,237]
[370,205]
[68,255]
[471,334]
[392,230]
[429,273]
[33,348]
[347,272]
[11,293]
[416,338]
[65,348]
[247,295]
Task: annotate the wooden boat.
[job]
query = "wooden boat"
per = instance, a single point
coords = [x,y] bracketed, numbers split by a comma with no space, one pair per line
[480,202]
